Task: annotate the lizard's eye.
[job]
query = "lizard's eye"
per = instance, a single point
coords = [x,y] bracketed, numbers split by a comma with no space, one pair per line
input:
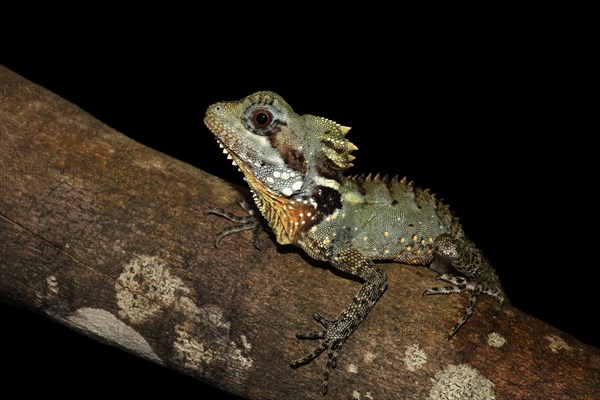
[262,118]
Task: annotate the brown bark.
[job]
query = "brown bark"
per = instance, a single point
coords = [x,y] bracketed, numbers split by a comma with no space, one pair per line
[109,237]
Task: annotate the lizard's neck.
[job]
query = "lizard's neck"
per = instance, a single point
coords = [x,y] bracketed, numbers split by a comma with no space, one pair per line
[290,216]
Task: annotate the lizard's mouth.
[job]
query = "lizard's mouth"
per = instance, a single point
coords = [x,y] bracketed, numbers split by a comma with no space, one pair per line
[229,156]
[222,134]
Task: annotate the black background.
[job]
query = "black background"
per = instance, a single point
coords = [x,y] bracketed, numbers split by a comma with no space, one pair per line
[495,125]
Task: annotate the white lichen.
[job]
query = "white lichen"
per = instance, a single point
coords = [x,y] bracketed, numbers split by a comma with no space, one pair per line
[236,355]
[52,286]
[494,339]
[557,343]
[96,322]
[204,343]
[205,339]
[202,336]
[414,358]
[245,342]
[214,316]
[190,351]
[352,368]
[461,382]
[356,395]
[369,357]
[144,287]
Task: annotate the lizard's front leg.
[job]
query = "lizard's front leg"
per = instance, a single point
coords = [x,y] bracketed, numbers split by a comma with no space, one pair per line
[337,331]
[250,222]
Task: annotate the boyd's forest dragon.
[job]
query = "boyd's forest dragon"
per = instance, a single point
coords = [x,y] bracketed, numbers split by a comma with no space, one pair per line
[294,165]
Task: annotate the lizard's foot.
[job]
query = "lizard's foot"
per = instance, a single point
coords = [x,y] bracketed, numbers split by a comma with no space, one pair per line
[251,222]
[460,284]
[334,335]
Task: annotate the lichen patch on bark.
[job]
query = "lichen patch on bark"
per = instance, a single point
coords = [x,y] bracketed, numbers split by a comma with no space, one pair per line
[202,337]
[461,382]
[414,357]
[145,286]
[190,351]
[197,351]
[52,286]
[557,343]
[356,395]
[494,339]
[369,357]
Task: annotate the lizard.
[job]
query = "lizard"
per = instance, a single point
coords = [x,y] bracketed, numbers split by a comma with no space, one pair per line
[295,166]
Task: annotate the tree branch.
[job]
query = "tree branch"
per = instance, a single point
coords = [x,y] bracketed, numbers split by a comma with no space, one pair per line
[110,238]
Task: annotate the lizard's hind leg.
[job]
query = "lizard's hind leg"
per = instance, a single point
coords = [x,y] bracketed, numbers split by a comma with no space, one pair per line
[476,275]
[459,285]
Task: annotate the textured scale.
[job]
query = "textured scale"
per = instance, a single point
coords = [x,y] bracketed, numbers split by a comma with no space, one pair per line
[294,165]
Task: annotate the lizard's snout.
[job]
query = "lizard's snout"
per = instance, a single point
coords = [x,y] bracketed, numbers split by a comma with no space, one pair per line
[215,109]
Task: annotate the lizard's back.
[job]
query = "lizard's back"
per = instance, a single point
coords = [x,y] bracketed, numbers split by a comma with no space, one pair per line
[387,219]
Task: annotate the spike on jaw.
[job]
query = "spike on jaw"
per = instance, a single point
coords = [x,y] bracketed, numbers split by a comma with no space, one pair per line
[352,147]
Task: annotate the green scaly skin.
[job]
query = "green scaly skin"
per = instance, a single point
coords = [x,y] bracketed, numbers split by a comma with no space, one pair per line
[294,165]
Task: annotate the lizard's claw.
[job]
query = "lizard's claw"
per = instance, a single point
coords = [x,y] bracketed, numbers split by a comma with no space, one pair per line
[251,222]
[459,284]
[333,337]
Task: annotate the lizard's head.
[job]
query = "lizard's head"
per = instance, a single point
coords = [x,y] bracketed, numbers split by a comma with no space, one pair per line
[276,148]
